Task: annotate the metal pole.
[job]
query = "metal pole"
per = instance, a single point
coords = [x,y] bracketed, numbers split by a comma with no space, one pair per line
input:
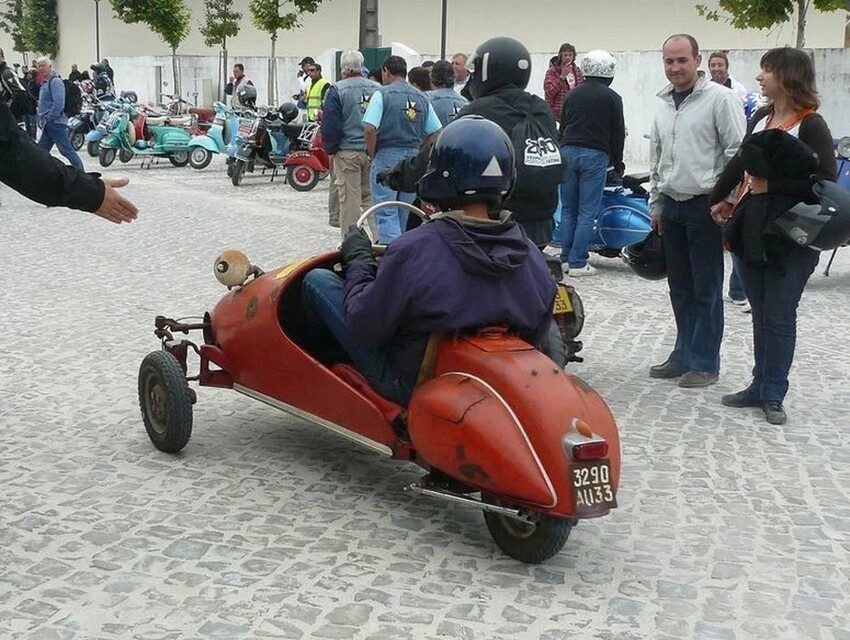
[97,28]
[443,32]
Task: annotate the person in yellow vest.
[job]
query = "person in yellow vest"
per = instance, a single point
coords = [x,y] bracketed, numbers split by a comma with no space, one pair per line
[316,90]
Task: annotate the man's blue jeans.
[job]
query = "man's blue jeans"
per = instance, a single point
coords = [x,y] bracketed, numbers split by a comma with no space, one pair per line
[774,292]
[57,133]
[693,247]
[581,195]
[736,280]
[391,221]
[322,290]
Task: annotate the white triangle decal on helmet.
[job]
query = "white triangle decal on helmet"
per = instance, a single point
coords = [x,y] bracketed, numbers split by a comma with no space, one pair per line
[493,170]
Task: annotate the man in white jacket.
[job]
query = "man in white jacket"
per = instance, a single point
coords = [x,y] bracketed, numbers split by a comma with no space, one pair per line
[696,130]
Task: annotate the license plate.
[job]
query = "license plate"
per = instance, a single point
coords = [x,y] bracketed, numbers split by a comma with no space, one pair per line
[562,301]
[592,486]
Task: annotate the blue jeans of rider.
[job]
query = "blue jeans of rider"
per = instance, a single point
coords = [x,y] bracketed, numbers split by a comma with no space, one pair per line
[693,248]
[774,292]
[57,133]
[581,196]
[392,221]
[323,295]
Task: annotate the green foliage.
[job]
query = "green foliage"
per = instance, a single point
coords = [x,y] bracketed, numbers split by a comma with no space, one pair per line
[11,20]
[169,19]
[40,26]
[762,14]
[266,14]
[220,22]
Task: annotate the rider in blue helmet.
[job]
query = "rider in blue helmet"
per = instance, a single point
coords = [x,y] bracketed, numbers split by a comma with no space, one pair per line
[471,265]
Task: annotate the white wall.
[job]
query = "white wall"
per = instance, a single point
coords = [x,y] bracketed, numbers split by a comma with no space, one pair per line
[632,25]
[640,76]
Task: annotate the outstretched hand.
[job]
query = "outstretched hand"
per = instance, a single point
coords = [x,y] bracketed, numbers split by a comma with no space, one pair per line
[356,247]
[115,207]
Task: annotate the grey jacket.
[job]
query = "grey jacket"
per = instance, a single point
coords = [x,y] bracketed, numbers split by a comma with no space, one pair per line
[689,146]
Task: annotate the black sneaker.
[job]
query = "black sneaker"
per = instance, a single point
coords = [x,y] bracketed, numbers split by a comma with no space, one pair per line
[666,370]
[774,412]
[745,398]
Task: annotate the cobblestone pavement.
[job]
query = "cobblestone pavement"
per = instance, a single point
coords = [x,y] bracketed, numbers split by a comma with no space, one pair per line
[267,527]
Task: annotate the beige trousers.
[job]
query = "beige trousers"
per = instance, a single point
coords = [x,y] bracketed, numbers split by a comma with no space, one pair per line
[351,178]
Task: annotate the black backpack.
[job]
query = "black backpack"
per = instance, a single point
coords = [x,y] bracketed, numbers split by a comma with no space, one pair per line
[538,158]
[21,102]
[73,98]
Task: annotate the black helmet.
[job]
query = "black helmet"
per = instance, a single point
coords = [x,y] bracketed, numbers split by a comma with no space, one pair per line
[130,96]
[823,226]
[288,111]
[499,62]
[471,161]
[646,258]
[247,95]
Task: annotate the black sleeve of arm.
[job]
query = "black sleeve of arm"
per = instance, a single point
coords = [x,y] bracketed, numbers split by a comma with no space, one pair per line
[618,137]
[41,177]
[733,172]
[815,133]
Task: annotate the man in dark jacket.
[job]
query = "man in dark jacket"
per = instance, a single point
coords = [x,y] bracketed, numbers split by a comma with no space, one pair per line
[593,133]
[39,176]
[479,267]
[501,70]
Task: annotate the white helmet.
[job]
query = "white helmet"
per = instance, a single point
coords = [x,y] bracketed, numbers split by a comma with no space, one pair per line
[598,64]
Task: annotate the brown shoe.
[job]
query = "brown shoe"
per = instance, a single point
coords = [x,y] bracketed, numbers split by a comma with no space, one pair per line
[697,379]
[666,370]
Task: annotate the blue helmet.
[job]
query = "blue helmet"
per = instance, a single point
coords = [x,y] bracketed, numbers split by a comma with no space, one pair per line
[471,161]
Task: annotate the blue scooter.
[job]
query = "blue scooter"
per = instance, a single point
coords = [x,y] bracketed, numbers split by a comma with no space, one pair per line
[623,217]
[842,171]
[218,139]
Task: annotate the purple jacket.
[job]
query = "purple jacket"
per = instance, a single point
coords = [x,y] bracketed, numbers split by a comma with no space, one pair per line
[446,276]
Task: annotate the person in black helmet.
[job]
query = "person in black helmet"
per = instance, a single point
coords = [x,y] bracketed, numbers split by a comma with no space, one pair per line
[482,270]
[501,68]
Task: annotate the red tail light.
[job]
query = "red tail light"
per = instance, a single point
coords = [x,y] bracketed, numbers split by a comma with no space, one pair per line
[593,450]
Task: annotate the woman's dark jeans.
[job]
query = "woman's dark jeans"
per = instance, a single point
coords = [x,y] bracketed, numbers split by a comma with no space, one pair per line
[774,292]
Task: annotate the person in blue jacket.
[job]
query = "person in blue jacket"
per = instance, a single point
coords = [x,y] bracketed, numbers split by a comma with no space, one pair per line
[471,266]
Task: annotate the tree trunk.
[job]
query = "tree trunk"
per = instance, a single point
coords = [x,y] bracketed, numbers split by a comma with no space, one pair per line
[369,36]
[272,74]
[224,76]
[175,69]
[802,9]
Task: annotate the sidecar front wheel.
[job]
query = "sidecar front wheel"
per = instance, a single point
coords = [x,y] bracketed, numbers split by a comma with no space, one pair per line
[166,401]
[531,543]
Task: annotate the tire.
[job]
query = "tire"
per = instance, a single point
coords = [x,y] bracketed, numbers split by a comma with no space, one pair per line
[302,177]
[106,157]
[556,346]
[93,148]
[238,172]
[179,158]
[125,155]
[200,158]
[524,542]
[165,401]
[609,253]
[78,139]
[229,169]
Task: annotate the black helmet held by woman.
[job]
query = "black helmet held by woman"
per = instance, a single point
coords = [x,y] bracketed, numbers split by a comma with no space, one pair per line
[497,63]
[646,258]
[822,226]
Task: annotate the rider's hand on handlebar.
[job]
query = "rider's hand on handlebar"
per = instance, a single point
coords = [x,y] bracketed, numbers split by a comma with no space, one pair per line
[356,248]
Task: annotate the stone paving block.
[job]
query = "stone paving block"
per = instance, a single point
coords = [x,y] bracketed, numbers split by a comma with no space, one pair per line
[266,527]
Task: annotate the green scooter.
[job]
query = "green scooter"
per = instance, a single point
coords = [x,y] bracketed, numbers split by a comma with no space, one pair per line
[135,133]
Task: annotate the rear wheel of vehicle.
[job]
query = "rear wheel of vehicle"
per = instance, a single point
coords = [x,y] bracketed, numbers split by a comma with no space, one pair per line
[302,177]
[200,158]
[93,148]
[125,155]
[106,157]
[166,401]
[532,543]
[556,345]
[78,138]
[609,253]
[237,172]
[179,158]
